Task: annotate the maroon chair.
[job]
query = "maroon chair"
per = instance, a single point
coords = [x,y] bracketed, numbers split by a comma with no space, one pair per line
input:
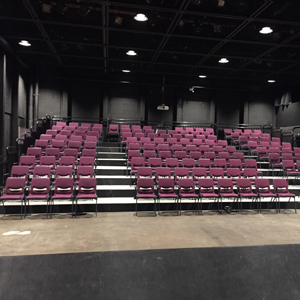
[225,155]
[197,142]
[14,190]
[236,163]
[162,172]
[113,131]
[195,155]
[198,173]
[43,144]
[171,141]
[217,149]
[28,161]
[251,174]
[84,172]
[87,190]
[234,174]
[274,161]
[133,146]
[91,138]
[251,163]
[71,152]
[61,137]
[51,132]
[62,124]
[176,147]
[228,133]
[220,163]
[46,137]
[180,173]
[263,190]
[188,163]
[282,191]
[154,163]
[88,153]
[53,152]
[136,163]
[190,148]
[63,190]
[149,154]
[239,155]
[58,144]
[36,152]
[225,186]
[205,163]
[231,150]
[287,156]
[216,174]
[245,191]
[172,163]
[42,172]
[39,190]
[289,168]
[90,145]
[63,172]
[207,191]
[67,161]
[75,145]
[166,190]
[253,147]
[222,143]
[210,155]
[87,161]
[145,191]
[164,155]
[144,172]
[48,161]
[180,155]
[186,190]
[204,148]
[74,124]
[20,172]
[162,147]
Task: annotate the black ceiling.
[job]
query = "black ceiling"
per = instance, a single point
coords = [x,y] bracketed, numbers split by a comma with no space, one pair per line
[181,39]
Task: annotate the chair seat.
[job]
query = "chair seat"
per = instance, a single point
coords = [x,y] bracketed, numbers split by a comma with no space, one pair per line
[86,196]
[188,195]
[293,173]
[139,195]
[67,196]
[209,195]
[248,195]
[10,197]
[228,195]
[37,197]
[165,195]
[267,195]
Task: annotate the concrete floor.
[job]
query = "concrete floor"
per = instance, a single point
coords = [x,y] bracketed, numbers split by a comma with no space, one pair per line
[123,231]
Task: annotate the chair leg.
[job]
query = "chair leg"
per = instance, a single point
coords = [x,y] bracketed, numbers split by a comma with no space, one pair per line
[295,205]
[96,206]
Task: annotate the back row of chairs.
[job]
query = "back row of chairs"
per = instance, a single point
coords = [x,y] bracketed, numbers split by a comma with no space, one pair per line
[59,126]
[209,190]
[40,190]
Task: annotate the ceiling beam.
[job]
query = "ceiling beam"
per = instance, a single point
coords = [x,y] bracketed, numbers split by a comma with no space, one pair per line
[262,8]
[41,28]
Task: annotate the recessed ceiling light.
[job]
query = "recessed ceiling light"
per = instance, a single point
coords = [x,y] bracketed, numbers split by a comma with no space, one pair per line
[202,76]
[266,30]
[24,43]
[223,61]
[126,71]
[140,18]
[131,53]
[271,81]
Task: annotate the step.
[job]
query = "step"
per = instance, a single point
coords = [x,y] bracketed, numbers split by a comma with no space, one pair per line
[111,170]
[110,149]
[113,180]
[111,161]
[111,155]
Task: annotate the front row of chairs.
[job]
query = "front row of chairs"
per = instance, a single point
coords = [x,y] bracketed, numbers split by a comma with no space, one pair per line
[186,190]
[40,190]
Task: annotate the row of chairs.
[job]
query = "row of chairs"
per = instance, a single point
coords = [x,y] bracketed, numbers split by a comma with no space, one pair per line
[84,126]
[207,191]
[52,161]
[196,173]
[15,190]
[190,163]
[47,172]
[57,152]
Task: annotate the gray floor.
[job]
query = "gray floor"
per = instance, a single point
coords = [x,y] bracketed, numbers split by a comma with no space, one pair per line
[124,231]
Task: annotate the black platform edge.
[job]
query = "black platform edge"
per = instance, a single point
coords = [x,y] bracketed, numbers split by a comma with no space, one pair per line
[229,273]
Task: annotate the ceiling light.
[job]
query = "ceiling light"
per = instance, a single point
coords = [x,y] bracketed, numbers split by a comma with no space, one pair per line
[46,8]
[118,20]
[131,53]
[221,3]
[140,18]
[24,43]
[223,61]
[126,71]
[202,76]
[271,81]
[266,30]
